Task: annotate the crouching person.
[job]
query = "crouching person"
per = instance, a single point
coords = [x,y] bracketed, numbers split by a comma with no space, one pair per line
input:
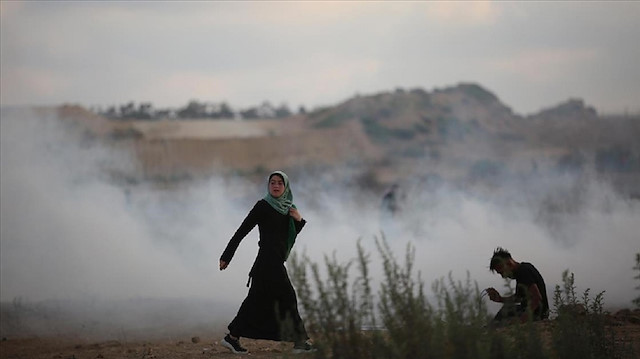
[530,299]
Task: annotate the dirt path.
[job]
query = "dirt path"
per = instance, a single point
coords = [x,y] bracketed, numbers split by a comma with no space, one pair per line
[183,348]
[626,327]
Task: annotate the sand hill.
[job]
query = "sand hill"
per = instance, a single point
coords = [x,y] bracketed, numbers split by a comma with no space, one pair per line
[450,132]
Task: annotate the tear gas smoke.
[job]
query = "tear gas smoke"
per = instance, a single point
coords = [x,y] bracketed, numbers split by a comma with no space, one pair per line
[72,234]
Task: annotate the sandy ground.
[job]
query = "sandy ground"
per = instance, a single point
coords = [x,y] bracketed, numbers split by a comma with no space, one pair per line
[194,347]
[207,346]
[207,129]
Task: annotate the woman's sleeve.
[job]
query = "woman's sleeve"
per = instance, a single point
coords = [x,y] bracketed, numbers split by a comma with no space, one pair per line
[299,225]
[247,225]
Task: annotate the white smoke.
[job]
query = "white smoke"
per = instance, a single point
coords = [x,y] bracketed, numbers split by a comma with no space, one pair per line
[70,232]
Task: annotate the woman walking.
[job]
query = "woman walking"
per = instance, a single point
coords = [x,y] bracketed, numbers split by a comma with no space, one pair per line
[270,310]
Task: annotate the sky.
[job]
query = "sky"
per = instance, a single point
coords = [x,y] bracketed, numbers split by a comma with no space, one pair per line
[532,55]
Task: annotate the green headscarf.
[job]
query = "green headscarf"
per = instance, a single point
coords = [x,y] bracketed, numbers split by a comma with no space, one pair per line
[282,204]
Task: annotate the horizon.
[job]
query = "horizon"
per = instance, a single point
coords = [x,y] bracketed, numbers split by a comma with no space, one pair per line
[101,109]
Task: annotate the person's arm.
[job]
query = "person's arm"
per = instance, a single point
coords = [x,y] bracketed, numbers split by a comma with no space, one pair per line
[535,298]
[293,212]
[299,222]
[495,296]
[247,225]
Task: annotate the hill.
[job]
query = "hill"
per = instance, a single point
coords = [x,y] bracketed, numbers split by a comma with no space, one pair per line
[383,138]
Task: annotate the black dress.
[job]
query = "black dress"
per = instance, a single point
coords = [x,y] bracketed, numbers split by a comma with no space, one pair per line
[270,310]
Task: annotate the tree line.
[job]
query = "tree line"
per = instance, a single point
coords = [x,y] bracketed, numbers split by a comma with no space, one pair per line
[195,109]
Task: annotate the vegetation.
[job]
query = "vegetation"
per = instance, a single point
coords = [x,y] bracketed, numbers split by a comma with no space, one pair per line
[636,301]
[580,325]
[479,93]
[617,159]
[378,132]
[573,162]
[486,169]
[333,119]
[377,108]
[349,320]
[195,109]
[452,127]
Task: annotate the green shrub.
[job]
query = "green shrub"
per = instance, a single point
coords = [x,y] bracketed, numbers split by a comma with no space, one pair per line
[580,330]
[380,133]
[451,127]
[404,323]
[334,313]
[636,301]
[348,320]
[334,119]
[478,93]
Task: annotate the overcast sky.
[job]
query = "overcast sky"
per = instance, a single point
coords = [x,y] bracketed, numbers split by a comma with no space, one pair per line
[532,55]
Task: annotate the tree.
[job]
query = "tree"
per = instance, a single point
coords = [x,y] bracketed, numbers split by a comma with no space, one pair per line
[194,109]
[145,111]
[249,114]
[266,110]
[283,111]
[225,111]
[127,110]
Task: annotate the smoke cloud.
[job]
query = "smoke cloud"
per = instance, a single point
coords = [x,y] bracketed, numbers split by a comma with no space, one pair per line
[72,234]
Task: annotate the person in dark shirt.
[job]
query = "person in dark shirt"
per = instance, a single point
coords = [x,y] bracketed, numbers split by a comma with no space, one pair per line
[391,201]
[270,310]
[530,299]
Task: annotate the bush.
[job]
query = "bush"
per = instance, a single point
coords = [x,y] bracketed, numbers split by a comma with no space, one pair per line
[335,314]
[347,320]
[636,301]
[380,133]
[580,329]
[404,324]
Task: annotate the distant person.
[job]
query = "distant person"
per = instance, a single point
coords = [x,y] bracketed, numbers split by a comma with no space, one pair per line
[529,301]
[390,209]
[270,310]
[391,200]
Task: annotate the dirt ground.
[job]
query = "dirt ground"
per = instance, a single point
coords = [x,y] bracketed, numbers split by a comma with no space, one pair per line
[627,330]
[179,348]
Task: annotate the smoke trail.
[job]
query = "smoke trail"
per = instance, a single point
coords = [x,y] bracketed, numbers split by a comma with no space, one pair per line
[71,233]
[454,231]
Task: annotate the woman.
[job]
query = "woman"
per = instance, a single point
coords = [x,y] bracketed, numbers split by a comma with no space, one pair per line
[270,310]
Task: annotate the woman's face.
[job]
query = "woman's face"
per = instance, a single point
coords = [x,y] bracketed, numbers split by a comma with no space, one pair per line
[276,186]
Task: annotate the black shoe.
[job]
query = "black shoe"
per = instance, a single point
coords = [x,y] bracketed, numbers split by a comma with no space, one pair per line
[303,347]
[233,345]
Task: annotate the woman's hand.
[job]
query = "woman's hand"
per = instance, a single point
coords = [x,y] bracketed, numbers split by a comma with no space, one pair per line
[223,265]
[293,212]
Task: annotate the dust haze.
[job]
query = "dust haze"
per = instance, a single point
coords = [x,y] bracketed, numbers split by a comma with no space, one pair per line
[113,257]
